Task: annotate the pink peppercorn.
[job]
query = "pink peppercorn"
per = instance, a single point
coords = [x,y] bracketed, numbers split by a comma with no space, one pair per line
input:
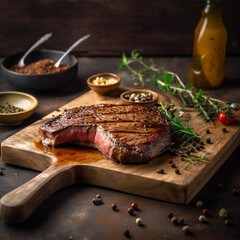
[205,212]
[134,206]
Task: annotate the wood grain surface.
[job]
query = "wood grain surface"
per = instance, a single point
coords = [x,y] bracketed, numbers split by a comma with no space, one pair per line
[156,28]
[64,166]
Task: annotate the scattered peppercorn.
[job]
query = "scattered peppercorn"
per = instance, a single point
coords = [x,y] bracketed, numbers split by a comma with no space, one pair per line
[199,204]
[194,144]
[131,211]
[170,161]
[223,213]
[202,219]
[201,143]
[127,234]
[186,229]
[161,171]
[235,191]
[188,152]
[177,171]
[198,148]
[1,174]
[173,165]
[180,220]
[202,146]
[208,131]
[224,130]
[208,140]
[139,222]
[205,212]
[97,201]
[192,149]
[228,222]
[134,206]
[174,220]
[170,215]
[114,207]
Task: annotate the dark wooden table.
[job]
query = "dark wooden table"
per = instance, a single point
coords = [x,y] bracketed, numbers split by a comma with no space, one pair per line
[70,213]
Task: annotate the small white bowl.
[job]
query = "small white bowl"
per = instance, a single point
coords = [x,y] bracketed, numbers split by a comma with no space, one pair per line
[19,99]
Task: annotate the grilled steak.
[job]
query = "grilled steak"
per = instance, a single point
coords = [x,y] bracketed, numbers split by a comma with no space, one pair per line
[122,133]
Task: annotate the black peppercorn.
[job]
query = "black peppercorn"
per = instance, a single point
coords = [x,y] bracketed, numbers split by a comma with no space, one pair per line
[131,211]
[202,146]
[170,215]
[198,148]
[194,144]
[208,140]
[207,131]
[1,174]
[114,207]
[192,149]
[188,152]
[170,161]
[177,171]
[127,234]
[224,130]
[161,171]
[173,165]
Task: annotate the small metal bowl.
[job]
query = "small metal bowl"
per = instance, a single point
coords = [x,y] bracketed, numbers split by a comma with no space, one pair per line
[39,81]
[138,91]
[17,99]
[104,89]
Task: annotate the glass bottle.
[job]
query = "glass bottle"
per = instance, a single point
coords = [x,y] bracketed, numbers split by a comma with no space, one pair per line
[209,48]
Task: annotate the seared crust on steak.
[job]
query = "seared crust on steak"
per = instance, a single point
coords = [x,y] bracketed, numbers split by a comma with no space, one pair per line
[123,133]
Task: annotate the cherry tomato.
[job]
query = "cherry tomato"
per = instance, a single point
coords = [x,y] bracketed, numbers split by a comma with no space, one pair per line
[223,118]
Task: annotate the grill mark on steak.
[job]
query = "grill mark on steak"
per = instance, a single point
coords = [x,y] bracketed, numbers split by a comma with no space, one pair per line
[123,133]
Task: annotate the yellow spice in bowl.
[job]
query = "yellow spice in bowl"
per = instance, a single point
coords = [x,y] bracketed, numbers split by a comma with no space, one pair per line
[100,81]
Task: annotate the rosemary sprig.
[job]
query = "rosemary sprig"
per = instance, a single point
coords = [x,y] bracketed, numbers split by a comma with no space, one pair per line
[207,107]
[185,133]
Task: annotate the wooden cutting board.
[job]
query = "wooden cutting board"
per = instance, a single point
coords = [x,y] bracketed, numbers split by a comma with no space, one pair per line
[62,167]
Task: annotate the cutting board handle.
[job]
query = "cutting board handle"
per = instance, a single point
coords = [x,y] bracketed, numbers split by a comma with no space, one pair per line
[17,205]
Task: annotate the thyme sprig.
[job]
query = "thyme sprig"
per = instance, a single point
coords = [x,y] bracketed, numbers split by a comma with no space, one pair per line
[183,132]
[182,152]
[207,107]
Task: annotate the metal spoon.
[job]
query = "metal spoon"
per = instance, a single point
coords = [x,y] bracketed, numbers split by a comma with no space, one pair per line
[71,48]
[36,44]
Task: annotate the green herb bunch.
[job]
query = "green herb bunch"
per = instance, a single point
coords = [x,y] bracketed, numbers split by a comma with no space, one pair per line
[169,82]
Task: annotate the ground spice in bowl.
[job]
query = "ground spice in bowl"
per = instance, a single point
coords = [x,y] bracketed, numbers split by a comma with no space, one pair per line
[43,66]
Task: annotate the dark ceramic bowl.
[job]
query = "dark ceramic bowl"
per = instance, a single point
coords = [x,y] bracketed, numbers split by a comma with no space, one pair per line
[39,81]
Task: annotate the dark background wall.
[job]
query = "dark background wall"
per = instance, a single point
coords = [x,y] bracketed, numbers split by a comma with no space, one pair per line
[154,27]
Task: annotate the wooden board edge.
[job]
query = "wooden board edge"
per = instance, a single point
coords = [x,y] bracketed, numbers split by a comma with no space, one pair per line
[130,183]
[208,173]
[23,157]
